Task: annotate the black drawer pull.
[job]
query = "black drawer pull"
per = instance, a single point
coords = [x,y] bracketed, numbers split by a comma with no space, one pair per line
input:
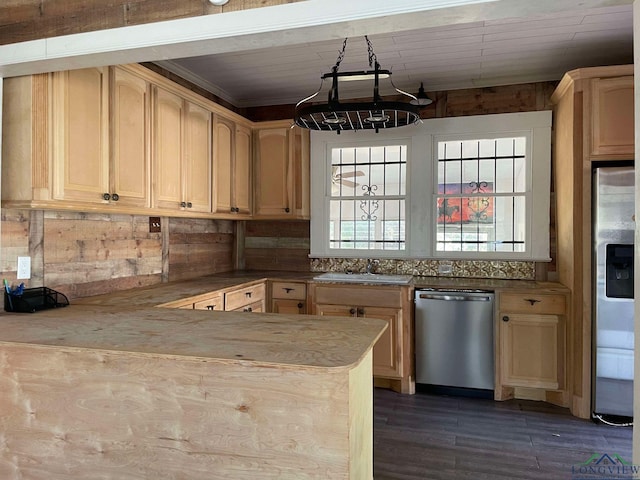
[300,305]
[505,318]
[211,307]
[248,294]
[352,311]
[531,300]
[248,309]
[361,311]
[288,289]
[106,196]
[115,197]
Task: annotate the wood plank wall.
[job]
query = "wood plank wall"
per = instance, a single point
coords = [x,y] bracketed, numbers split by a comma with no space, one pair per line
[272,245]
[83,254]
[199,247]
[24,20]
[277,245]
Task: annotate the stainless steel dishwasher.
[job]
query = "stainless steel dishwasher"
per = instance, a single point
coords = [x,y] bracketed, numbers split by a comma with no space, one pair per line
[454,338]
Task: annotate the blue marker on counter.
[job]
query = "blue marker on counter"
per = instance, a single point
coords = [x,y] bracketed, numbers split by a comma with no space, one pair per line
[7,289]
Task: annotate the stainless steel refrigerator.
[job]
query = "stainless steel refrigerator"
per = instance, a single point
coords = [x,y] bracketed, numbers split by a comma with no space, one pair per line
[613,235]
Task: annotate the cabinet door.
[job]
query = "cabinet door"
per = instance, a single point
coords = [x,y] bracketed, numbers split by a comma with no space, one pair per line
[242,171]
[612,117]
[168,149]
[300,158]
[273,173]
[222,165]
[81,134]
[130,159]
[197,158]
[387,358]
[531,350]
[288,306]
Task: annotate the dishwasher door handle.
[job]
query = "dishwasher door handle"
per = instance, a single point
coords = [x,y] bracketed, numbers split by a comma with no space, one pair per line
[456,298]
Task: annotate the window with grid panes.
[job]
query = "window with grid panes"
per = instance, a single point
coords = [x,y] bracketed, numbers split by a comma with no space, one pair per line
[367,197]
[473,187]
[481,195]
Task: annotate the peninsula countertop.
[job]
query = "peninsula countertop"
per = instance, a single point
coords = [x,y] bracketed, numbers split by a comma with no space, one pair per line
[229,337]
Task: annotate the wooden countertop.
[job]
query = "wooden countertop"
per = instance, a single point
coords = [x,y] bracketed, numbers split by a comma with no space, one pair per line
[163,293]
[228,337]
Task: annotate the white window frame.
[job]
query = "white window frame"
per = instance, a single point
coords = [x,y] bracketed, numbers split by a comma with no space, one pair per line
[421,211]
[321,190]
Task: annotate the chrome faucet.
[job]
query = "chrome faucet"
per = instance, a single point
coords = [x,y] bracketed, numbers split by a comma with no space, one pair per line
[371,265]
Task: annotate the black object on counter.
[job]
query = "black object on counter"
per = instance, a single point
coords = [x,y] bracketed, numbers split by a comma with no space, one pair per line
[33,299]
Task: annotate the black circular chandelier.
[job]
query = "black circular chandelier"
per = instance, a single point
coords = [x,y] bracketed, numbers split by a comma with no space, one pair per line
[373,115]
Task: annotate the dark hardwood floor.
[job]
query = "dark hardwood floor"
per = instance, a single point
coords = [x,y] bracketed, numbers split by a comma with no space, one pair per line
[427,436]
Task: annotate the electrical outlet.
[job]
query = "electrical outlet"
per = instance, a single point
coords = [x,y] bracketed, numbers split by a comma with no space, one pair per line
[154,224]
[24,268]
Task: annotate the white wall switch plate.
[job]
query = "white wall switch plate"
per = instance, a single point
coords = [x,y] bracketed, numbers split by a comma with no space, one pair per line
[24,268]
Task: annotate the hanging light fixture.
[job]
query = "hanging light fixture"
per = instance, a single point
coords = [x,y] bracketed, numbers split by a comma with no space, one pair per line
[372,115]
[421,98]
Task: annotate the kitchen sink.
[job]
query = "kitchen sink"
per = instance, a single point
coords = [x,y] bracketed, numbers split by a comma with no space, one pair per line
[364,278]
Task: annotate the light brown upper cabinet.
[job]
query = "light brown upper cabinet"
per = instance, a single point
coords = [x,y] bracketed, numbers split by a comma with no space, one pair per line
[181,158]
[281,171]
[231,168]
[130,139]
[77,140]
[80,139]
[612,126]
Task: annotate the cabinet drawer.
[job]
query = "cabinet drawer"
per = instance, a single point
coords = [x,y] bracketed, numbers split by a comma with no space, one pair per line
[243,296]
[252,307]
[215,302]
[358,295]
[533,303]
[292,290]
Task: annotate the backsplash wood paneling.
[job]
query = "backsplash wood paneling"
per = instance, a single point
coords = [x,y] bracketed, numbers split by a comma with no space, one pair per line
[277,245]
[84,254]
[199,247]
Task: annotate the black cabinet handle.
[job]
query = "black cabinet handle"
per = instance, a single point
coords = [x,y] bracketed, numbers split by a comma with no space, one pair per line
[531,300]
[211,307]
[300,305]
[183,204]
[505,318]
[248,309]
[189,204]
[361,311]
[352,311]
[287,289]
[235,209]
[248,294]
[106,196]
[287,209]
[115,197]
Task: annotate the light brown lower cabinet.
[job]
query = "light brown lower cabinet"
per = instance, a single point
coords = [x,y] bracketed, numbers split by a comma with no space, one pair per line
[288,298]
[532,350]
[250,298]
[387,354]
[392,353]
[214,302]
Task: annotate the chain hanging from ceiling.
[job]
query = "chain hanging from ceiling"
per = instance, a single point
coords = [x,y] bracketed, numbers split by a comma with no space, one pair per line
[375,114]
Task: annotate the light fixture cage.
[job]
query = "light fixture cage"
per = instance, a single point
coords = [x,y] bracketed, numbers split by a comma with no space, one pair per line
[373,115]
